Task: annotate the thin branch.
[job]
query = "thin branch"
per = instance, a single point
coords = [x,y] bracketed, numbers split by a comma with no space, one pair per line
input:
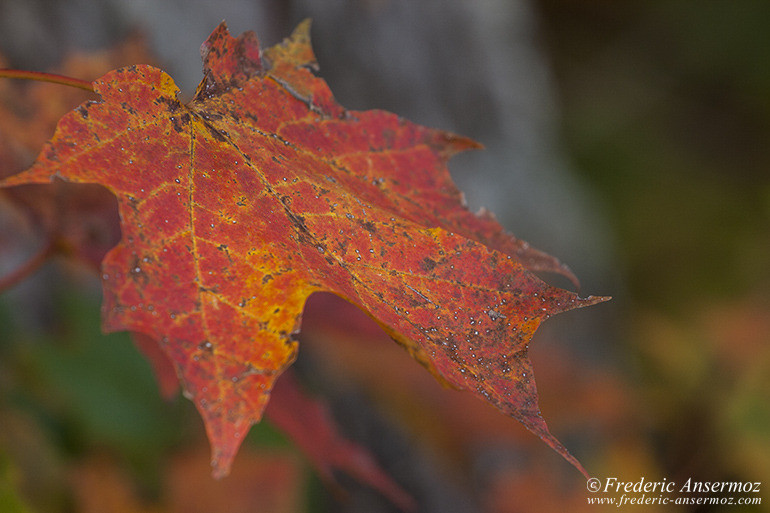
[28,268]
[47,77]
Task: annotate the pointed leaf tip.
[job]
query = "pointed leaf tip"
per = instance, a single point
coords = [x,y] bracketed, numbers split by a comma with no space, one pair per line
[225,437]
[227,59]
[300,38]
[593,300]
[295,50]
[452,144]
[302,30]
[577,302]
[559,448]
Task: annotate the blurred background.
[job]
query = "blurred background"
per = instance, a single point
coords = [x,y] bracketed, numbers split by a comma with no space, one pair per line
[630,140]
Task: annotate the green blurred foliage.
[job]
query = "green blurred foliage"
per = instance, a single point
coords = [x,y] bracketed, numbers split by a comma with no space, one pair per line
[70,391]
[666,111]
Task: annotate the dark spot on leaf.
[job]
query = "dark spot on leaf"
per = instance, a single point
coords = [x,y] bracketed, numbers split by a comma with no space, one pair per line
[180,122]
[369,226]
[171,104]
[128,108]
[290,340]
[219,135]
[427,264]
[297,220]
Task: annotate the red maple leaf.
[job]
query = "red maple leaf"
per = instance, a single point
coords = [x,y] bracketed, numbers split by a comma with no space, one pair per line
[262,190]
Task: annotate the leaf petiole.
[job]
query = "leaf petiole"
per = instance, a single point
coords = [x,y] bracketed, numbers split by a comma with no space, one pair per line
[28,268]
[47,77]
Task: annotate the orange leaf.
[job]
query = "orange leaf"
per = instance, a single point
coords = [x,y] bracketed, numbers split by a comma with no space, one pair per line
[239,205]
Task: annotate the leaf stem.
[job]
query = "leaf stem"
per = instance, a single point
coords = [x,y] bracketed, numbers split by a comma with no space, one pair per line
[47,77]
[28,268]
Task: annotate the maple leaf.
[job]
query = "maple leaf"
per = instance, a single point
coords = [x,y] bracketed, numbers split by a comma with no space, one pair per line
[262,190]
[76,220]
[81,222]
